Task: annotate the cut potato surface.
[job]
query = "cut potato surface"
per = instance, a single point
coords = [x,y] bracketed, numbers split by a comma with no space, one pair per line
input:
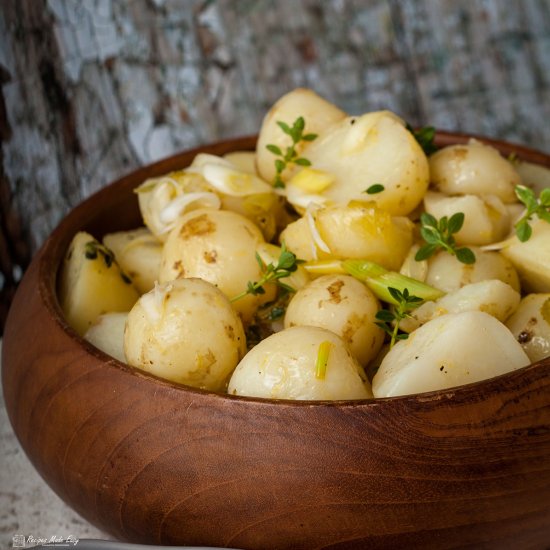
[107,334]
[92,284]
[455,349]
[284,366]
[530,324]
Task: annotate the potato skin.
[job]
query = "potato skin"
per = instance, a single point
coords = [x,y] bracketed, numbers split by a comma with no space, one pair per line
[283,366]
[343,305]
[219,247]
[185,331]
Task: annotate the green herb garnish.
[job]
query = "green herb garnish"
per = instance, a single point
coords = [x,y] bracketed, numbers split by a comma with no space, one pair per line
[535,207]
[286,264]
[389,321]
[425,137]
[439,236]
[374,188]
[290,156]
[93,249]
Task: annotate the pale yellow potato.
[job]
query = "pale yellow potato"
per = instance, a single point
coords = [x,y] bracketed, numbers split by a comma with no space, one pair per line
[473,169]
[530,325]
[283,366]
[185,331]
[447,273]
[451,350]
[217,246]
[138,252]
[318,114]
[532,175]
[107,334]
[374,148]
[532,258]
[361,232]
[492,296]
[90,287]
[343,305]
[486,218]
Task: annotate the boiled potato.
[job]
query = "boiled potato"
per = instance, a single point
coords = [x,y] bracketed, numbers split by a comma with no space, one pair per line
[530,324]
[269,253]
[343,305]
[473,169]
[318,114]
[283,366]
[532,258]
[138,253]
[185,331]
[91,283]
[374,148]
[492,296]
[107,334]
[535,176]
[455,349]
[486,219]
[361,232]
[447,273]
[219,247]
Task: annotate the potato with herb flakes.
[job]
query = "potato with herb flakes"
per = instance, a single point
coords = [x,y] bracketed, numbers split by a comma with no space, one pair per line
[345,306]
[355,231]
[91,283]
[530,324]
[300,363]
[185,331]
[451,350]
[138,253]
[217,246]
[473,169]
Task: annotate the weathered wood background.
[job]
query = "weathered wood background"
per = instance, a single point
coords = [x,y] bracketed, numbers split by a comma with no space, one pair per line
[92,89]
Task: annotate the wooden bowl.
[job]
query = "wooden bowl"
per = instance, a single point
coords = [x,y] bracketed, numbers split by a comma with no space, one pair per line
[156,462]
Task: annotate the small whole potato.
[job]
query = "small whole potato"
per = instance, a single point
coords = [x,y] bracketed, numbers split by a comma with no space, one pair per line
[217,246]
[284,366]
[343,305]
[185,331]
[473,169]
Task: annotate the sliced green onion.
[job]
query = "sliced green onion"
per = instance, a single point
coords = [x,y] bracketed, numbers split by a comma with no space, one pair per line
[363,269]
[322,360]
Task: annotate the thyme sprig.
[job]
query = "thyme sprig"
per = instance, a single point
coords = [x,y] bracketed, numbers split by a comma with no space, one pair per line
[425,137]
[389,321]
[534,207]
[272,273]
[439,236]
[290,155]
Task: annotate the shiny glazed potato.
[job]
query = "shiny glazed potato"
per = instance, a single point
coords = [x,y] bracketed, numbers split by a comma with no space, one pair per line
[359,151]
[447,273]
[530,324]
[217,246]
[455,349]
[486,219]
[318,114]
[107,334]
[473,169]
[343,305]
[138,253]
[532,258]
[91,284]
[185,331]
[283,366]
[357,231]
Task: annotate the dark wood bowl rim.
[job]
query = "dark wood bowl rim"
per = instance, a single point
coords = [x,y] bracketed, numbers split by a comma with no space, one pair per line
[53,250]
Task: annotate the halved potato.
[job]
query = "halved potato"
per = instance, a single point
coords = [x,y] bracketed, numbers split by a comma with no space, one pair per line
[92,284]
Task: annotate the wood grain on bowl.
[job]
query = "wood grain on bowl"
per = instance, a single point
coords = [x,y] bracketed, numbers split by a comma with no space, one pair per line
[150,461]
